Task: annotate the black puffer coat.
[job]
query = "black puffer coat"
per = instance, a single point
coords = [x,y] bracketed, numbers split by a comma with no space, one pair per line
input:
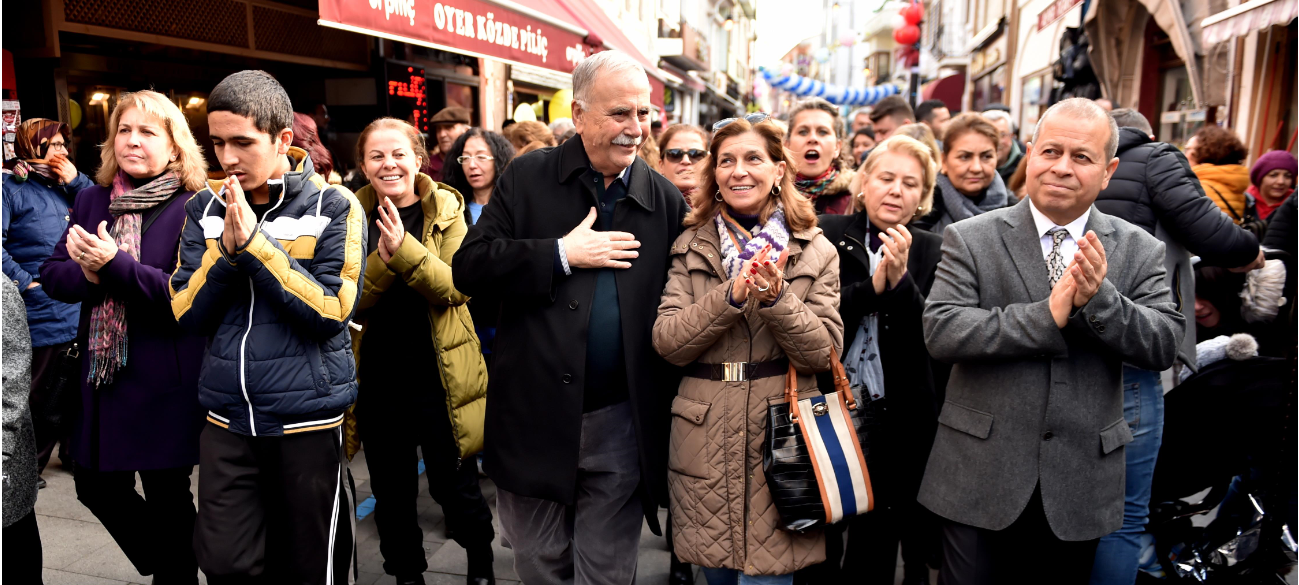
[1155,189]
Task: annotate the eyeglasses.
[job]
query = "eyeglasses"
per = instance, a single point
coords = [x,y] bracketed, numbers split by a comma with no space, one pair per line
[481,158]
[753,118]
[694,154]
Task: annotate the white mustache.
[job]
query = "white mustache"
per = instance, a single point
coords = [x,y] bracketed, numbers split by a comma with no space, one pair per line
[625,140]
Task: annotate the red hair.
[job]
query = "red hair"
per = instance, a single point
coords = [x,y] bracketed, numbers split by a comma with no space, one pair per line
[306,138]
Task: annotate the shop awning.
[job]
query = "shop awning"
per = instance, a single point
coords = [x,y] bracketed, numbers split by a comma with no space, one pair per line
[536,34]
[1167,14]
[1250,16]
[591,16]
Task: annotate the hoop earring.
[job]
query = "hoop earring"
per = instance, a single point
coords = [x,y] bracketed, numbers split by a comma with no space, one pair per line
[775,191]
[718,196]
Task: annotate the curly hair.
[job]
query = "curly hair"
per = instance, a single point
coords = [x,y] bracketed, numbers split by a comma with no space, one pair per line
[521,134]
[799,212]
[453,173]
[1219,146]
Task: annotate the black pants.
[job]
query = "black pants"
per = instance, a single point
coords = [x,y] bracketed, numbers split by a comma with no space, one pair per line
[55,395]
[275,509]
[22,551]
[873,538]
[1027,551]
[390,440]
[155,531]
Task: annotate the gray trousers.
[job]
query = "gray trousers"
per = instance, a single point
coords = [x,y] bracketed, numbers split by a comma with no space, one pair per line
[594,541]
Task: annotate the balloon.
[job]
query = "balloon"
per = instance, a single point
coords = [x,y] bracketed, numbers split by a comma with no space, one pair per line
[538,110]
[822,55]
[561,105]
[848,40]
[907,35]
[74,114]
[524,113]
[897,21]
[914,13]
[786,69]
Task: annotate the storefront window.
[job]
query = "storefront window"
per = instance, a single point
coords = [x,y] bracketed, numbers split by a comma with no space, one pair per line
[989,89]
[1037,92]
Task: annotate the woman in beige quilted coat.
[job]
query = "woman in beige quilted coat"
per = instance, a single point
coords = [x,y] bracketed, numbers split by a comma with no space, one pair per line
[753,289]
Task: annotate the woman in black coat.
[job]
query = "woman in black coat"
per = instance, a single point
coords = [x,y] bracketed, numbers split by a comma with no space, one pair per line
[881,302]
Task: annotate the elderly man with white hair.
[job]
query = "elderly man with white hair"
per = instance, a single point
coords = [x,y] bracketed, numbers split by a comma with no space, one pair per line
[560,127]
[575,244]
[1038,307]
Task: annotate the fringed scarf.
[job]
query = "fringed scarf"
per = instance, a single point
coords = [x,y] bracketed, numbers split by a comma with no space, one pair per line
[814,186]
[739,245]
[32,150]
[108,319]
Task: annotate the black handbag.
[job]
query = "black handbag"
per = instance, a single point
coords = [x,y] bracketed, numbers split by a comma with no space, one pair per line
[816,454]
[1249,220]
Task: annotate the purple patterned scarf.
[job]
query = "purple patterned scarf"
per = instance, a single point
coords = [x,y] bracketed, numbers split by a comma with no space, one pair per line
[739,245]
[108,319]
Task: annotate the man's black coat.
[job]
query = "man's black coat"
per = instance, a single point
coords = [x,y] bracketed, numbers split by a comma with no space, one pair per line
[534,396]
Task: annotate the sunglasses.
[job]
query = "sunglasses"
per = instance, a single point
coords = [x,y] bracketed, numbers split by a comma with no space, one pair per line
[753,118]
[694,154]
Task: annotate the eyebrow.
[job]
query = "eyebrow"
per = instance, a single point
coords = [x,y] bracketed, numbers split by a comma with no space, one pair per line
[236,137]
[619,110]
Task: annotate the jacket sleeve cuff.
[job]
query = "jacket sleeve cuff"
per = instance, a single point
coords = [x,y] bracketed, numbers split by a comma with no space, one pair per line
[561,259]
[409,255]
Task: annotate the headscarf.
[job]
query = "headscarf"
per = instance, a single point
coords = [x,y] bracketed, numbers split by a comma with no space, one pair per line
[108,319]
[32,149]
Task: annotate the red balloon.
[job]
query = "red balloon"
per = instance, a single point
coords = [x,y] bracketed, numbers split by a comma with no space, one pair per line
[914,13]
[907,35]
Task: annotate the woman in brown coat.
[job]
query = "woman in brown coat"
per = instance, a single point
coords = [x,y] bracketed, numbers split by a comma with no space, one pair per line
[754,283]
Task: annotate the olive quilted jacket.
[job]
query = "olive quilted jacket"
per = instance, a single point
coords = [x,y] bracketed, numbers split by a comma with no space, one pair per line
[722,512]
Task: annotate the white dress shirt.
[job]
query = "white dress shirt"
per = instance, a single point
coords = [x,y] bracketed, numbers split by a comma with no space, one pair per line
[1069,246]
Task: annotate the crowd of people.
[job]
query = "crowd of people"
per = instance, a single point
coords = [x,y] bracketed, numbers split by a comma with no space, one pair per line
[606,310]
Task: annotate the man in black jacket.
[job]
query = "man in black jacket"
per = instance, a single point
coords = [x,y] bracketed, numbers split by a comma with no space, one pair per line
[575,244]
[1154,189]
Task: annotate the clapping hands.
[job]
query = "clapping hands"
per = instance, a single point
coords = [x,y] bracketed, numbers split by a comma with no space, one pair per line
[90,251]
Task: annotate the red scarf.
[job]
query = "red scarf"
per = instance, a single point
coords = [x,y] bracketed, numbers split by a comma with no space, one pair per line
[1261,205]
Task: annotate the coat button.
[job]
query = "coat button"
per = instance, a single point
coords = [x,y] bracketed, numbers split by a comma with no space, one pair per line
[841,243]
[573,305]
[1100,328]
[1048,436]
[568,378]
[849,247]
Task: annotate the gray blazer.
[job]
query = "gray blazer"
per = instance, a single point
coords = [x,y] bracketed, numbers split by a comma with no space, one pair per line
[1030,403]
[19,465]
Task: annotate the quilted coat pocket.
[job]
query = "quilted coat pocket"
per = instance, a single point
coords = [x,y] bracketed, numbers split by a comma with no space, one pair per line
[689,452]
[965,419]
[1116,435]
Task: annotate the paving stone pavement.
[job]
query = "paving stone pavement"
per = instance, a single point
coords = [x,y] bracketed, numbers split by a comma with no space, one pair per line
[79,551]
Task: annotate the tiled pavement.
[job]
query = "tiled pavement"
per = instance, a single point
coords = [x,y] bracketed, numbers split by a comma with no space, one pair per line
[78,551]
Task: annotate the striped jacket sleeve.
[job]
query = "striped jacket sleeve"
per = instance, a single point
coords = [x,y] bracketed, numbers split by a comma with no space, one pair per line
[317,299]
[200,286]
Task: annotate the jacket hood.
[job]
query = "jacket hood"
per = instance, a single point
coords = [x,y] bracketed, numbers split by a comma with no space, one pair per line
[441,202]
[842,183]
[1234,177]
[1131,137]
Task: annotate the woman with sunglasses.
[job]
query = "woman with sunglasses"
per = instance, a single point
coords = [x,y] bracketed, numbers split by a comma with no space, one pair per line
[753,281]
[682,156]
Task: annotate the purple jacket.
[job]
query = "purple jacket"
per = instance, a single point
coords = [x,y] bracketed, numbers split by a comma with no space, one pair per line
[149,418]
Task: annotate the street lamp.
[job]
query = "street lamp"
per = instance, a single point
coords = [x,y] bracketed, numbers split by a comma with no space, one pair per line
[728,24]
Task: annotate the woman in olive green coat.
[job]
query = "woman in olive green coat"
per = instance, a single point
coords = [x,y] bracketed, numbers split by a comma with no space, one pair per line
[423,382]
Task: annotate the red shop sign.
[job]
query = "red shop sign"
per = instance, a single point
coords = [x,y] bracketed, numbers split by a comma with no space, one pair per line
[472,27]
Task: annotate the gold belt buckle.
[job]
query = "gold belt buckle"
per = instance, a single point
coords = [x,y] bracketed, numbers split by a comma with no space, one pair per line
[733,371]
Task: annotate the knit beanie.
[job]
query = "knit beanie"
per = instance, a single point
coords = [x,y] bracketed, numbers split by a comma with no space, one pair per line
[1271,161]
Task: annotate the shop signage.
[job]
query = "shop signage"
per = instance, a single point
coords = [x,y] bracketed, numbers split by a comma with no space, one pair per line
[472,27]
[1055,12]
[989,57]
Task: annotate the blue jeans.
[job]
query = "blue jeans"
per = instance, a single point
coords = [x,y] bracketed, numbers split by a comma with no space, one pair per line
[1143,407]
[733,577]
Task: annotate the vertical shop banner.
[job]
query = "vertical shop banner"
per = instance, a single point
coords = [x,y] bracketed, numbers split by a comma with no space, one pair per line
[473,27]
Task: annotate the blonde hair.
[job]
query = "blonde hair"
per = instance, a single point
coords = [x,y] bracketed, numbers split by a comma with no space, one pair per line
[925,135]
[190,166]
[522,134]
[903,144]
[799,213]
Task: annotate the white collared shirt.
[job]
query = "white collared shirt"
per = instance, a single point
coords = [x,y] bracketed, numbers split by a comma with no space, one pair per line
[1069,246]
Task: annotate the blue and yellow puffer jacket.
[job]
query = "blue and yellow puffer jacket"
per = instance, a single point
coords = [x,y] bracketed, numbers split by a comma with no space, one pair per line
[279,357]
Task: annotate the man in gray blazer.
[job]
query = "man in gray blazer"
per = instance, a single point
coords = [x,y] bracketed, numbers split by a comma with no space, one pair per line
[1027,466]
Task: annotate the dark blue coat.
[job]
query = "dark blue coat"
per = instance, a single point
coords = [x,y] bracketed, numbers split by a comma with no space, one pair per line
[35,218]
[149,418]
[279,357]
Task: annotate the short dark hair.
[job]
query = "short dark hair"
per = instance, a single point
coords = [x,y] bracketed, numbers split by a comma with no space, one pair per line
[893,106]
[1130,118]
[867,131]
[254,95]
[453,173]
[925,109]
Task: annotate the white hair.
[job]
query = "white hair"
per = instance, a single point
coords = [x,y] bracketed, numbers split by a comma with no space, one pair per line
[561,125]
[865,110]
[1083,109]
[994,115]
[586,72]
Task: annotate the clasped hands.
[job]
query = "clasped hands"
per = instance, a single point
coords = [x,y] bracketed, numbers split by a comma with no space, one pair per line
[893,266]
[240,221]
[762,279]
[1081,280]
[92,251]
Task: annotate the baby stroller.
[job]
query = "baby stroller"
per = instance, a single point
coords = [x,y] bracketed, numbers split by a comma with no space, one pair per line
[1227,430]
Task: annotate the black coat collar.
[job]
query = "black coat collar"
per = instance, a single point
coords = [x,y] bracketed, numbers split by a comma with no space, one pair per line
[573,163]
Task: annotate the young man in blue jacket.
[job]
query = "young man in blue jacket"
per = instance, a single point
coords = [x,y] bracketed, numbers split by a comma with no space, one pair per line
[270,262]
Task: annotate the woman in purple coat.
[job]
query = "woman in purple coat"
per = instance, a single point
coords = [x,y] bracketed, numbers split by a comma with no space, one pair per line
[139,407]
